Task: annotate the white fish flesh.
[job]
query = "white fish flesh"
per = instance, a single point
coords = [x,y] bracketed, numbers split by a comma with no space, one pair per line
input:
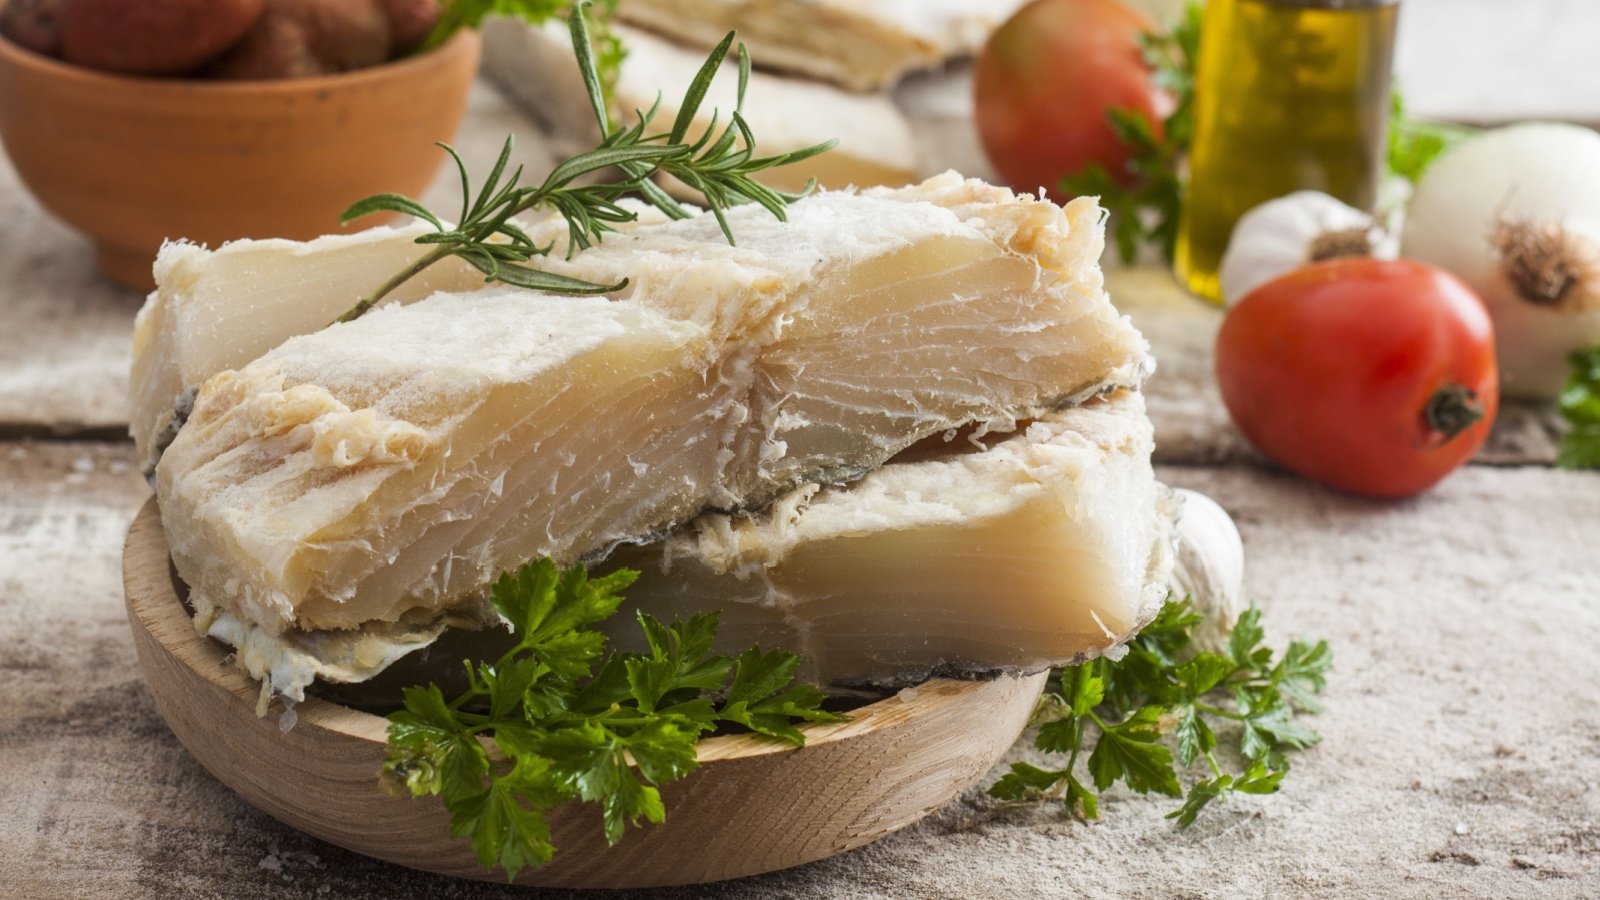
[385,470]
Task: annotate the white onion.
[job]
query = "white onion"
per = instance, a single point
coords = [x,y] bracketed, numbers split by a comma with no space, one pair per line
[1282,235]
[1515,213]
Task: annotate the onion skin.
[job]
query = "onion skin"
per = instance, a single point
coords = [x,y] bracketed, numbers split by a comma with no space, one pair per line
[1481,212]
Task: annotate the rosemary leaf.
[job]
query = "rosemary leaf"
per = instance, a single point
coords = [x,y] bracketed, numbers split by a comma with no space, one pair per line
[720,164]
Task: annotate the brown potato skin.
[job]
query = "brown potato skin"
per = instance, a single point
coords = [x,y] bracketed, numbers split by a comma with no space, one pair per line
[410,22]
[300,38]
[152,37]
[34,24]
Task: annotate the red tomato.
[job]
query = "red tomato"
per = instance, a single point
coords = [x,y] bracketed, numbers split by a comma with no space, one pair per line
[1374,377]
[1045,81]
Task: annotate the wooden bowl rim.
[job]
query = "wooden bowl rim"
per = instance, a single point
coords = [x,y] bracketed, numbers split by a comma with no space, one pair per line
[466,41]
[206,657]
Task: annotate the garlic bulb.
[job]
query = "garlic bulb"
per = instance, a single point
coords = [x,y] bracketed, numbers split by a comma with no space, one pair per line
[1282,235]
[1515,213]
[1210,568]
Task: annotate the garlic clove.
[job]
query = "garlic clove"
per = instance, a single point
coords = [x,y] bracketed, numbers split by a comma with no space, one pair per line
[1209,569]
[1294,230]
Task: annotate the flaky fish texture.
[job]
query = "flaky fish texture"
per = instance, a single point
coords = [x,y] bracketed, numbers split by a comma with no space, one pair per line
[214,310]
[1051,546]
[1013,553]
[387,469]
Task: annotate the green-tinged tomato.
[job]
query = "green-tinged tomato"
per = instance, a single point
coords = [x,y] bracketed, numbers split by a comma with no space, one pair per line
[1375,377]
[1046,81]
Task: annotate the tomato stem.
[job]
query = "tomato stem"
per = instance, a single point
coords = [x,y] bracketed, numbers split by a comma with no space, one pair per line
[1452,409]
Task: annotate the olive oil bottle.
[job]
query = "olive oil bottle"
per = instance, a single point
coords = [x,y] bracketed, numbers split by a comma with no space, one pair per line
[1289,95]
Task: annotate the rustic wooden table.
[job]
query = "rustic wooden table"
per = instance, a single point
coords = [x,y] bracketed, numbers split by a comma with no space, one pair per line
[1462,729]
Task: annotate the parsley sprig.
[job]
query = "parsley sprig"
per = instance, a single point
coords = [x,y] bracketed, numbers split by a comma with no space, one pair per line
[1580,406]
[1146,202]
[1157,712]
[1415,143]
[557,718]
[719,164]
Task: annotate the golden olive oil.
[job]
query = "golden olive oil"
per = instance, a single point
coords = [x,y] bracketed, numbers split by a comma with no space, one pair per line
[1289,95]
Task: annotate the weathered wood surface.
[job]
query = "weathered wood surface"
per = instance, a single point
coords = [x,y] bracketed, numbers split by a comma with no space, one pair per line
[1461,732]
[1462,728]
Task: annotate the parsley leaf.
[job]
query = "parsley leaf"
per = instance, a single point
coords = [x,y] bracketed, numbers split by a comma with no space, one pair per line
[1415,143]
[571,722]
[1145,200]
[1157,711]
[1580,406]
[1132,751]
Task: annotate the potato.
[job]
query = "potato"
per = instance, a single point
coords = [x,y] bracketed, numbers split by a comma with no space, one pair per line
[33,24]
[297,38]
[152,37]
[410,21]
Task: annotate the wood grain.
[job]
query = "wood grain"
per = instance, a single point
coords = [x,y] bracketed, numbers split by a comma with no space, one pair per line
[752,807]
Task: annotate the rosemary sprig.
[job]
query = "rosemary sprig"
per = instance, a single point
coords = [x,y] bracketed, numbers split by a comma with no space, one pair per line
[719,165]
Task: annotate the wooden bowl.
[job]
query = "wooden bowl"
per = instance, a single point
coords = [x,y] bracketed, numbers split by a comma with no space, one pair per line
[751,807]
[134,161]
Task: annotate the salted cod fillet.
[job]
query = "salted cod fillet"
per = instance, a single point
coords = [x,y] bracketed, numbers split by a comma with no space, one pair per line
[1052,545]
[378,474]
[1048,547]
[218,309]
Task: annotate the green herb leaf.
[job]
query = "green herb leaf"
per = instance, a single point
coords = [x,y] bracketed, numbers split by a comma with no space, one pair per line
[502,830]
[1244,643]
[1195,737]
[1146,200]
[1130,714]
[573,723]
[720,164]
[1302,673]
[1132,751]
[1580,406]
[1026,780]
[1415,143]
[1199,796]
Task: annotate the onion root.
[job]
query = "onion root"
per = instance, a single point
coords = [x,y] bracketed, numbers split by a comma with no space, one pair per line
[1548,265]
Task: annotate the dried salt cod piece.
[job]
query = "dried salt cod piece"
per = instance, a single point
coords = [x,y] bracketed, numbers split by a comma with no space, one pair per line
[214,310]
[387,469]
[862,46]
[218,309]
[535,65]
[1051,546]
[349,473]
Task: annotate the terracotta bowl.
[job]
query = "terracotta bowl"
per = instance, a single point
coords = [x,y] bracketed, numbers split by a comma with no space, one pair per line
[132,162]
